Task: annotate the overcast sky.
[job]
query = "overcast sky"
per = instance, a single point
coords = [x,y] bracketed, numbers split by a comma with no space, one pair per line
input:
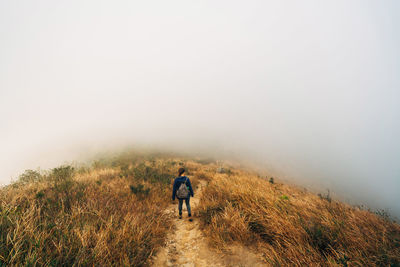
[307,88]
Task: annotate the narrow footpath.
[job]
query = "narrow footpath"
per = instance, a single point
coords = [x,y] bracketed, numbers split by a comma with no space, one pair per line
[186,246]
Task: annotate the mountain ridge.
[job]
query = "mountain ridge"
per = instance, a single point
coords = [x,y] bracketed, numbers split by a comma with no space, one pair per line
[118,211]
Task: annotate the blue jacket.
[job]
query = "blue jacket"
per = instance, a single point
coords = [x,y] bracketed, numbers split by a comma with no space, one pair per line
[177,183]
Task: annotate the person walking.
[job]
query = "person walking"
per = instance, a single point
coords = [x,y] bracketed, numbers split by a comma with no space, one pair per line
[182,189]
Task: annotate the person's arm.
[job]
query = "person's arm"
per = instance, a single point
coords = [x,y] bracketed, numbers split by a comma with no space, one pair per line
[190,187]
[174,190]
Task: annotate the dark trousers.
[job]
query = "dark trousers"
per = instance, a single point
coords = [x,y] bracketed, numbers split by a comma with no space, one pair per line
[187,201]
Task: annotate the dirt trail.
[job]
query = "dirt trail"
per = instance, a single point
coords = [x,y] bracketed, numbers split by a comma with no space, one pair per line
[186,245]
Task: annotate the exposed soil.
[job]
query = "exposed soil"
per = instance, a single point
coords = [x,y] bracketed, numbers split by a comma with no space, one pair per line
[186,245]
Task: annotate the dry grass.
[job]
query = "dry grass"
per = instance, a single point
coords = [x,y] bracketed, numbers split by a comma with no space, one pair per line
[291,227]
[89,216]
[111,214]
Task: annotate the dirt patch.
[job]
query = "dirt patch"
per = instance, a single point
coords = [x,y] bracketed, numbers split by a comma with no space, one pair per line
[186,245]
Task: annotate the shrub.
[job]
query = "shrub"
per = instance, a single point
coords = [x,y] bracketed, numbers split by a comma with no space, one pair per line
[62,173]
[152,174]
[30,176]
[125,171]
[284,197]
[321,237]
[326,197]
[139,190]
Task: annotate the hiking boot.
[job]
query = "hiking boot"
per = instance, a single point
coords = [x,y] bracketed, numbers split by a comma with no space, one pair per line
[190,218]
[180,216]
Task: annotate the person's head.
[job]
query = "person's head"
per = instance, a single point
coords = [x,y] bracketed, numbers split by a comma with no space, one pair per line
[181,171]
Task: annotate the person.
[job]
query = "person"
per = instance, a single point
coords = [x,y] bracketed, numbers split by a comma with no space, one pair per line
[177,183]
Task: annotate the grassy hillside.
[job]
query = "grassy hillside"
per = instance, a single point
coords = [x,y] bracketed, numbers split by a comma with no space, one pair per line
[112,214]
[108,214]
[292,227]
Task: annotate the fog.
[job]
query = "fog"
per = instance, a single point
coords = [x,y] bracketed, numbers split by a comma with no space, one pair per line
[308,90]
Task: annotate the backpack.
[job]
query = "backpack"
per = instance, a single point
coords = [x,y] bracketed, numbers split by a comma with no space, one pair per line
[183,191]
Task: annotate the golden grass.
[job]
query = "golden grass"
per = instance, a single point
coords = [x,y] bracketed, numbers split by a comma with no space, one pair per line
[292,227]
[88,217]
[112,214]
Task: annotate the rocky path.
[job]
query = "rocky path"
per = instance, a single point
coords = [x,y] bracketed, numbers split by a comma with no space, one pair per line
[186,245]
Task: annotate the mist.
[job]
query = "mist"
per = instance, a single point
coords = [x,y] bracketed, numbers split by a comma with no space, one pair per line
[306,90]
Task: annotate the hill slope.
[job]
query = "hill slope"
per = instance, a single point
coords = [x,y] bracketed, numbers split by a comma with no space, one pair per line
[290,226]
[118,211]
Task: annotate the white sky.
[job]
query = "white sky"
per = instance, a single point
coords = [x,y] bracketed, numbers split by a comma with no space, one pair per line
[308,87]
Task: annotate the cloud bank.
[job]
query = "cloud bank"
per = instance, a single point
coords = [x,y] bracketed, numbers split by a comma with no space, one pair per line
[309,89]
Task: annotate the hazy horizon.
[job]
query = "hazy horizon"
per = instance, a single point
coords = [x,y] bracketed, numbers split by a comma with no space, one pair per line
[308,89]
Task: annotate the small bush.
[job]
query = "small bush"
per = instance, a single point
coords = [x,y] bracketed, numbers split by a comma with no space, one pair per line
[125,171]
[139,190]
[152,174]
[326,197]
[62,173]
[284,197]
[30,176]
[321,236]
[39,195]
